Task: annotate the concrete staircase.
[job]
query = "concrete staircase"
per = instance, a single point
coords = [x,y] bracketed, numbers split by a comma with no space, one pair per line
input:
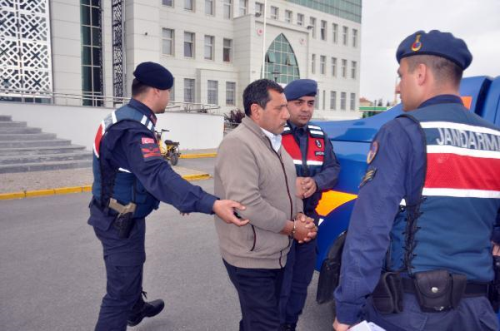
[25,149]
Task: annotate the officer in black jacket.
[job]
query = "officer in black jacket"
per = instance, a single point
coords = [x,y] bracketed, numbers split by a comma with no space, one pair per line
[130,179]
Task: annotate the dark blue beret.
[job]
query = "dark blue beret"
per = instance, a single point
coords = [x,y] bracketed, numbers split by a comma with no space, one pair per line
[154,75]
[300,88]
[437,43]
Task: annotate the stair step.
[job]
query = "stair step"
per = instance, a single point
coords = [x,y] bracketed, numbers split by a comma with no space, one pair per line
[29,136]
[12,168]
[12,124]
[35,143]
[5,118]
[19,130]
[41,150]
[25,159]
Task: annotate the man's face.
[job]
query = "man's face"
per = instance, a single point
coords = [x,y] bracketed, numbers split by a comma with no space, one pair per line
[301,110]
[407,87]
[273,118]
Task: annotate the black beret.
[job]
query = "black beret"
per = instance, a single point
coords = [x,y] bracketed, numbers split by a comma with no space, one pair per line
[437,43]
[299,88]
[154,75]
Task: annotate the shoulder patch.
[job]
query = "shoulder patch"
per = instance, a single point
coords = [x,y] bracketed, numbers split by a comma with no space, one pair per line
[372,152]
[145,140]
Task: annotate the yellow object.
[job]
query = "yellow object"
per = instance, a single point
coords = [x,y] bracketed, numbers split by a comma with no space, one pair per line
[331,200]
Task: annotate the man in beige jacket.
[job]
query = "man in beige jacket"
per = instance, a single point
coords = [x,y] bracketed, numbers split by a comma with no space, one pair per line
[253,168]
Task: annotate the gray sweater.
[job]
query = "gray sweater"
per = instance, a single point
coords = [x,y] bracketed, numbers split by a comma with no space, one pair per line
[249,171]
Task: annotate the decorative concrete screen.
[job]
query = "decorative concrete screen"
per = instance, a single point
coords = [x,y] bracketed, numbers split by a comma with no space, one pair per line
[25,54]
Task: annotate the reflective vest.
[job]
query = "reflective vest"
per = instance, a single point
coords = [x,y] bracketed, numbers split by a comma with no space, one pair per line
[120,183]
[313,162]
[449,226]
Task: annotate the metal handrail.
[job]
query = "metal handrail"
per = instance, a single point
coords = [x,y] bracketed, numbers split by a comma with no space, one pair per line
[98,100]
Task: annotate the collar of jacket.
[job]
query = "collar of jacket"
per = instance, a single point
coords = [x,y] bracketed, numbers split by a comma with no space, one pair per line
[256,129]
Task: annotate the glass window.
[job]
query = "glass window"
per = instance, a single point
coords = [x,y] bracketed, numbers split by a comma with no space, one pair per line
[334,66]
[354,65]
[345,35]
[243,7]
[312,23]
[322,64]
[344,68]
[209,47]
[259,8]
[189,4]
[188,90]
[323,30]
[354,38]
[227,50]
[228,8]
[213,92]
[288,16]
[188,44]
[353,101]
[167,45]
[275,15]
[342,100]
[172,92]
[335,32]
[313,64]
[169,3]
[209,7]
[324,99]
[316,103]
[230,93]
[300,19]
[281,63]
[333,100]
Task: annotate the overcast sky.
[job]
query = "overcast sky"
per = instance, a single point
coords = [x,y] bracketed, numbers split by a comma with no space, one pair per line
[385,23]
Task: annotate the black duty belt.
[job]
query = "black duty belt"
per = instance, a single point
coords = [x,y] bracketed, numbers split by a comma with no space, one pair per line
[471,289]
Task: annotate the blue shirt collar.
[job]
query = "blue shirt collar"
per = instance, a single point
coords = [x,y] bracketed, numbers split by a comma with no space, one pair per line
[136,104]
[445,98]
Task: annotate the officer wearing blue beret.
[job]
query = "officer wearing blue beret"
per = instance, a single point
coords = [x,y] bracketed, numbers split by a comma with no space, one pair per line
[130,179]
[317,171]
[418,253]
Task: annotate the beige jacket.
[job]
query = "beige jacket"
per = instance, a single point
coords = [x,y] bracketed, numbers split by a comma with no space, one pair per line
[248,170]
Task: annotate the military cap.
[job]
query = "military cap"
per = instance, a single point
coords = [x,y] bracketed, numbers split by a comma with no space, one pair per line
[154,75]
[437,43]
[300,88]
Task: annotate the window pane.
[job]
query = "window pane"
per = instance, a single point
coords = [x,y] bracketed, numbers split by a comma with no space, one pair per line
[86,56]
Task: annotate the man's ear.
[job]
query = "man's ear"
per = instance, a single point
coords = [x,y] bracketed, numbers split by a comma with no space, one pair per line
[422,73]
[255,111]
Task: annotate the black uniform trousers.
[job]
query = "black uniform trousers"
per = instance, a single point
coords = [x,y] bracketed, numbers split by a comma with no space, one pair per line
[259,294]
[124,259]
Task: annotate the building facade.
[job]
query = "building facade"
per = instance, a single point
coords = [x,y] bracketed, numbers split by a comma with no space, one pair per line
[214,48]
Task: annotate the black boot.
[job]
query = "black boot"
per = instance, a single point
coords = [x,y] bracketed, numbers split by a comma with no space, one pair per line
[144,309]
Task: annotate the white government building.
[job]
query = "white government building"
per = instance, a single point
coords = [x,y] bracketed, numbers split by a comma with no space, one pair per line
[52,51]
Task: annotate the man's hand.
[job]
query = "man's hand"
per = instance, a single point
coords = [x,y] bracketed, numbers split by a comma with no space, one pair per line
[337,326]
[225,209]
[305,229]
[305,187]
[495,250]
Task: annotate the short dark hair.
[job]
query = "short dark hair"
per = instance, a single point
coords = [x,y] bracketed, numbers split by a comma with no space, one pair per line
[444,70]
[258,92]
[138,88]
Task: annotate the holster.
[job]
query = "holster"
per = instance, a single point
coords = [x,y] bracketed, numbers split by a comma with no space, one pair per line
[438,290]
[329,275]
[388,295]
[124,224]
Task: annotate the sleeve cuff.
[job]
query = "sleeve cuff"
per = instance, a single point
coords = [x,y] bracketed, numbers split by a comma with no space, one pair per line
[347,313]
[206,204]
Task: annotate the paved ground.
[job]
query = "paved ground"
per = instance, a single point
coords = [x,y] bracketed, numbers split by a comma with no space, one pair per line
[39,180]
[52,273]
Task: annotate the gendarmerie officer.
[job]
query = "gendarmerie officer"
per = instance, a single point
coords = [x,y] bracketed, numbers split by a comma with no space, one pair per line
[317,171]
[130,179]
[419,241]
